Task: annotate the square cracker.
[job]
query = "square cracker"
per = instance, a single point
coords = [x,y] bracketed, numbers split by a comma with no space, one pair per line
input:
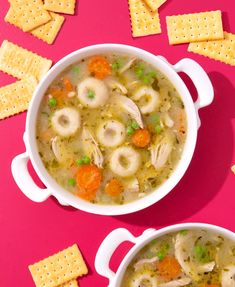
[15,98]
[194,27]
[27,14]
[220,50]
[154,4]
[49,31]
[61,6]
[59,268]
[233,168]
[20,63]
[143,21]
[72,283]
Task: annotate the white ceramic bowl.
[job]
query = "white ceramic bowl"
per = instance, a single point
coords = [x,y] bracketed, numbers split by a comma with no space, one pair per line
[19,163]
[120,235]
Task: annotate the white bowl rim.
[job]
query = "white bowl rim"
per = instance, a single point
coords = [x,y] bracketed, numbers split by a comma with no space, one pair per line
[60,193]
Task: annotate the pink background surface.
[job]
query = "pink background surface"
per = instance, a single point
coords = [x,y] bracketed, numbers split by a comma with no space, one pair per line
[31,231]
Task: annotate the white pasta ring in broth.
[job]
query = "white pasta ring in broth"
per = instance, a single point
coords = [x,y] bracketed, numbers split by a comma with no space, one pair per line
[92,92]
[151,97]
[124,161]
[111,133]
[66,121]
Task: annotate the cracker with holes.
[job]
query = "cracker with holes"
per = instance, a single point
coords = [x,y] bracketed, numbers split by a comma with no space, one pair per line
[154,4]
[143,21]
[49,31]
[194,27]
[21,63]
[72,283]
[15,98]
[61,6]
[220,50]
[27,14]
[233,168]
[58,269]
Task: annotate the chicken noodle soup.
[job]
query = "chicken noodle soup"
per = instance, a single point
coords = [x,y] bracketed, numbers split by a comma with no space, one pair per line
[192,258]
[111,129]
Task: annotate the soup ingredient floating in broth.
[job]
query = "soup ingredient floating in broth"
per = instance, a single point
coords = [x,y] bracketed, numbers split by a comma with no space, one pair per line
[96,140]
[124,161]
[60,269]
[89,179]
[151,99]
[195,258]
[111,133]
[92,92]
[99,67]
[144,21]
[25,65]
[66,121]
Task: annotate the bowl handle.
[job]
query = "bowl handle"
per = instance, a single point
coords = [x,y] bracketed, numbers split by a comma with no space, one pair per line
[24,180]
[201,81]
[110,244]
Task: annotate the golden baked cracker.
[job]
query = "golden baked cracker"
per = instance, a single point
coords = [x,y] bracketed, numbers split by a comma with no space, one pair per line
[143,21]
[49,31]
[59,268]
[220,50]
[27,14]
[194,27]
[233,168]
[61,6]
[15,98]
[72,283]
[154,4]
[20,63]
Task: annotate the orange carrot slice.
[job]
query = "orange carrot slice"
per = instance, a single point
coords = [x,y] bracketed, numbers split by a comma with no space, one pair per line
[99,67]
[88,180]
[114,187]
[168,268]
[67,84]
[141,138]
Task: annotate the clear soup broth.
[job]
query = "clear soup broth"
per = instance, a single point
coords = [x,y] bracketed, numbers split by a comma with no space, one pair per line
[192,258]
[111,129]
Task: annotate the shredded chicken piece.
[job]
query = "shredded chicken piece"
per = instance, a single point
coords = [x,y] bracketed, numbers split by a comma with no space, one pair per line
[55,148]
[207,267]
[141,262]
[168,121]
[228,276]
[91,147]
[137,281]
[127,65]
[160,152]
[132,185]
[114,84]
[130,107]
[177,283]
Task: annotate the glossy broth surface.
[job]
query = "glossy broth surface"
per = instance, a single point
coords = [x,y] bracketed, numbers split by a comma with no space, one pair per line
[111,129]
[192,258]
